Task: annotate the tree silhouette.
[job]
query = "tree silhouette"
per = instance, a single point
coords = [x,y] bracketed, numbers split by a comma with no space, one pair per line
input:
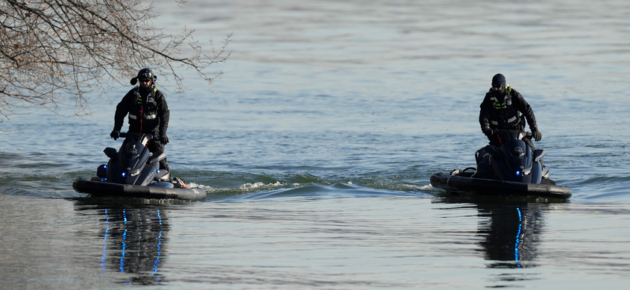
[54,52]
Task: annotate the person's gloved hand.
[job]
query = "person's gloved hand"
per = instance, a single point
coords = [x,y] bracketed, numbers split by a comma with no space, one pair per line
[164,139]
[487,131]
[536,134]
[115,134]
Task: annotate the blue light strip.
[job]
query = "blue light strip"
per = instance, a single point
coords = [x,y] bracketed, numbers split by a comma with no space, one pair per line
[518,235]
[124,246]
[159,245]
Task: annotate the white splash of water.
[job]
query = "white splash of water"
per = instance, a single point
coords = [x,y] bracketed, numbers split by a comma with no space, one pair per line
[204,187]
[258,185]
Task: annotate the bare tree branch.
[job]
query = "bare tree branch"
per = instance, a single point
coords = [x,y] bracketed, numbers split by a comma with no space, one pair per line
[54,52]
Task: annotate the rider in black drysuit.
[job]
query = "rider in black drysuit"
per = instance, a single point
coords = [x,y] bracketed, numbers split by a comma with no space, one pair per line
[148,113]
[501,109]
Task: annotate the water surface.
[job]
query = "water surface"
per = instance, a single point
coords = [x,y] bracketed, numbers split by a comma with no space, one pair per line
[316,147]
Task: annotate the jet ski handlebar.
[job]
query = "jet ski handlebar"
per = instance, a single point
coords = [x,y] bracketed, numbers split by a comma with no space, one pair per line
[149,136]
[519,134]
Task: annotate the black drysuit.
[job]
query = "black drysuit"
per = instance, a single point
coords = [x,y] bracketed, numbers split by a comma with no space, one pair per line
[148,113]
[500,110]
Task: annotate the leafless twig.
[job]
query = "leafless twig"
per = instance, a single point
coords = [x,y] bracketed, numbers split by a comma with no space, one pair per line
[54,52]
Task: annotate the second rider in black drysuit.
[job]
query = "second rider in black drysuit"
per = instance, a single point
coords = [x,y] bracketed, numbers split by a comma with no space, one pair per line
[501,109]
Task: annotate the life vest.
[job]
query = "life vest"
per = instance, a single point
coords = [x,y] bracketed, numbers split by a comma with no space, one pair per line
[504,115]
[143,116]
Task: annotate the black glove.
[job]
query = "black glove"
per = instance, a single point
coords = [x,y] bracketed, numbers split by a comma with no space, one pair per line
[536,134]
[164,139]
[487,131]
[115,134]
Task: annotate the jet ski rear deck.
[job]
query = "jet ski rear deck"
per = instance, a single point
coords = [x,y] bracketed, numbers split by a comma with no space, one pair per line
[512,166]
[461,182]
[98,188]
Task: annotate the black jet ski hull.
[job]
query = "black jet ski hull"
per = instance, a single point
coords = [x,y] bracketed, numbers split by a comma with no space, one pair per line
[488,186]
[97,188]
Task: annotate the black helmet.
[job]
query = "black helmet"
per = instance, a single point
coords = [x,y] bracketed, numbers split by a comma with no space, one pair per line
[498,80]
[143,74]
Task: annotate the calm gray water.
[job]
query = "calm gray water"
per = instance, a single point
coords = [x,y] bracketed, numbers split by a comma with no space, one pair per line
[316,147]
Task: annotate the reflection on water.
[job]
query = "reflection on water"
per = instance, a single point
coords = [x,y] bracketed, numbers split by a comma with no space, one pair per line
[510,227]
[134,241]
[509,230]
[511,233]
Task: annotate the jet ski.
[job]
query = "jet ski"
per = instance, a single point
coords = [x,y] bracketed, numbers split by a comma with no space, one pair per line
[133,171]
[513,167]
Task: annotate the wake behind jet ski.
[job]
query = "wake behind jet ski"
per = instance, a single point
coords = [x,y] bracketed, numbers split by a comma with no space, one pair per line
[512,168]
[132,171]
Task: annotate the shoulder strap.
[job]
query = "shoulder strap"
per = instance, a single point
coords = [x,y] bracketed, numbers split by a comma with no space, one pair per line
[138,99]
